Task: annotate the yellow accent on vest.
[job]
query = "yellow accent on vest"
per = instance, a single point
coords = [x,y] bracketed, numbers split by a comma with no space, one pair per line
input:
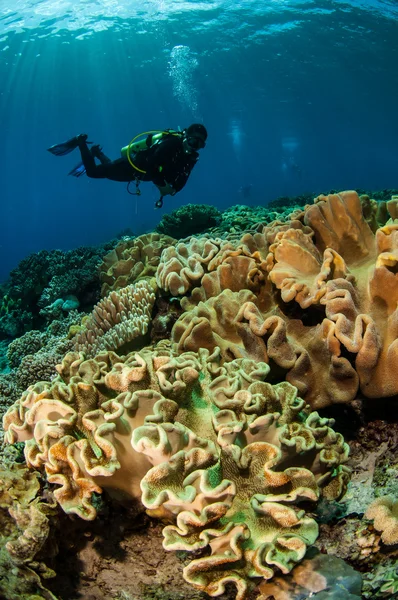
[133,147]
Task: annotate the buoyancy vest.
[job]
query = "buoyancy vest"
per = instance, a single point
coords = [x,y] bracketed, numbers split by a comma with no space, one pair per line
[145,143]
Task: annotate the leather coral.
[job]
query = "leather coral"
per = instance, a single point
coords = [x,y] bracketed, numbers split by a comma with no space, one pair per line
[131,260]
[224,455]
[350,273]
[316,299]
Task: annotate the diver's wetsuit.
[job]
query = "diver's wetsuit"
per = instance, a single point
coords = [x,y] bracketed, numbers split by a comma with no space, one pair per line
[164,163]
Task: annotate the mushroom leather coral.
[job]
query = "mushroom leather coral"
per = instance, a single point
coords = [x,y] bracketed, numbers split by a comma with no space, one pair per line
[132,259]
[356,282]
[384,512]
[182,267]
[224,456]
[322,304]
[244,325]
[24,529]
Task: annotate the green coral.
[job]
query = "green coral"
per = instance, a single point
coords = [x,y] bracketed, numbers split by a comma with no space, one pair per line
[240,218]
[229,459]
[188,220]
[382,583]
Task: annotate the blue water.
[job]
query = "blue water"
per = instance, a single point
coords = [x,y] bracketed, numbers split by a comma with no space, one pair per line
[296,96]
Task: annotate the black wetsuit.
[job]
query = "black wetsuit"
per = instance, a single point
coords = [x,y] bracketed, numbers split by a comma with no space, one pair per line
[164,163]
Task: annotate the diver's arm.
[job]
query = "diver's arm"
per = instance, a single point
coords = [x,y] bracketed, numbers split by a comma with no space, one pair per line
[166,190]
[172,182]
[181,176]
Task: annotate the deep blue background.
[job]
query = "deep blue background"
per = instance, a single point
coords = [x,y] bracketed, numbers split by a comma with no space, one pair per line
[327,79]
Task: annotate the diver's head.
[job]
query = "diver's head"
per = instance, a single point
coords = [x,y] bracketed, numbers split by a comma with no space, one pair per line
[195,137]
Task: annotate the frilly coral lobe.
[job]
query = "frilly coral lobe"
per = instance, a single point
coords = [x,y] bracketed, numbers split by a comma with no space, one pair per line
[216,449]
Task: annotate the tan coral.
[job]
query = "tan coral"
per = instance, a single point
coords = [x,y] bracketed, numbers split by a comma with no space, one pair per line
[121,317]
[182,266]
[308,357]
[348,337]
[339,224]
[131,260]
[356,283]
[213,324]
[384,513]
[337,288]
[236,264]
[223,455]
[299,270]
[364,317]
[186,265]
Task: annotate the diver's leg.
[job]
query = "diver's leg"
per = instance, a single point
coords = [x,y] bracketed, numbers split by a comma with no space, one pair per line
[92,170]
[96,151]
[116,170]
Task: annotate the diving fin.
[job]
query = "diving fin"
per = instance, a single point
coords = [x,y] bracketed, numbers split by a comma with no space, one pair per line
[78,171]
[65,147]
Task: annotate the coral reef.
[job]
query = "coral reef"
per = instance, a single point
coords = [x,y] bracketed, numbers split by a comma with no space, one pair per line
[382,583]
[188,220]
[226,456]
[24,530]
[131,260]
[117,319]
[384,512]
[193,393]
[326,327]
[42,279]
[30,343]
[14,320]
[240,218]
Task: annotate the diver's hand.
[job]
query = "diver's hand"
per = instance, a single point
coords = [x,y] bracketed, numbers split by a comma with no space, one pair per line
[166,190]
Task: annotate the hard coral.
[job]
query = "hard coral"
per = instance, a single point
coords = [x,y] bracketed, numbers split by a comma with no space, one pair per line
[119,318]
[30,343]
[220,453]
[188,220]
[42,278]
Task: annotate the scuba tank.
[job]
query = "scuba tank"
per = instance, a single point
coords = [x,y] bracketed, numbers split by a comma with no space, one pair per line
[138,145]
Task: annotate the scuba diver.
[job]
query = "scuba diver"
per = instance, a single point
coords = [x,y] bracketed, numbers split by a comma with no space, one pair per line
[164,157]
